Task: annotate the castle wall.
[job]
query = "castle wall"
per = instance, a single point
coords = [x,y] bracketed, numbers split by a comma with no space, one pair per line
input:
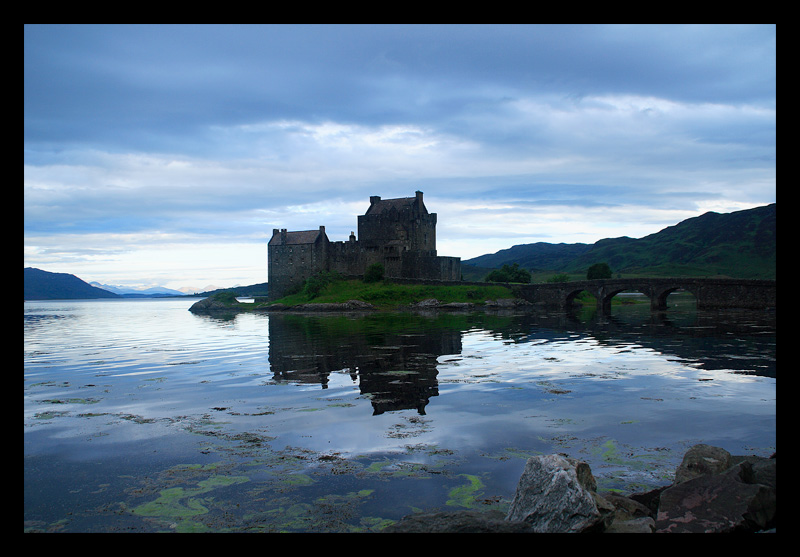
[291,262]
[398,231]
[417,266]
[346,258]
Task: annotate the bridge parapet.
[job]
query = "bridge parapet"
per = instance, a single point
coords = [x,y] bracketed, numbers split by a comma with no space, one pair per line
[709,293]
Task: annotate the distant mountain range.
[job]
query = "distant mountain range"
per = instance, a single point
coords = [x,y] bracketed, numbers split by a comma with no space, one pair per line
[144,293]
[44,285]
[741,244]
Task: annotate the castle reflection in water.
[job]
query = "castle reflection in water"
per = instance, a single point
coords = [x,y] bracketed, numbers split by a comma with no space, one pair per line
[394,357]
[394,362]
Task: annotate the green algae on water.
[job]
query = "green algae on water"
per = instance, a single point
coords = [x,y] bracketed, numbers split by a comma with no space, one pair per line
[466,495]
[179,502]
[169,505]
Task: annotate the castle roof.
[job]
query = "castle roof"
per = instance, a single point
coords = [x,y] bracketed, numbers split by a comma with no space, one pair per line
[378,205]
[389,204]
[297,237]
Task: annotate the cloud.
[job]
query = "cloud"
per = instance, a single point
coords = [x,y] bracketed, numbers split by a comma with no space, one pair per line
[93,82]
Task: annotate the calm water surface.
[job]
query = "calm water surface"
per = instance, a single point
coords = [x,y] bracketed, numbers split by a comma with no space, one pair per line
[141,416]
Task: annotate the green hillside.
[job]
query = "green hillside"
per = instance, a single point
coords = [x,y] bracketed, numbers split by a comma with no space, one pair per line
[536,257]
[43,285]
[260,289]
[741,244]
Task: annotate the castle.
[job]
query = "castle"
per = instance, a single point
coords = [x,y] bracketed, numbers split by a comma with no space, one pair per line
[398,233]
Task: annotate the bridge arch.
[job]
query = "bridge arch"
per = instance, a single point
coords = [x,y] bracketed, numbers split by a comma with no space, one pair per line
[571,294]
[659,302]
[604,299]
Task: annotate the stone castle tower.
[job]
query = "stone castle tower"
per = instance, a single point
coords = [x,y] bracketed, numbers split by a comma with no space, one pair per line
[398,233]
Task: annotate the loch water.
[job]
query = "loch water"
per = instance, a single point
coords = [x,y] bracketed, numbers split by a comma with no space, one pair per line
[140,416]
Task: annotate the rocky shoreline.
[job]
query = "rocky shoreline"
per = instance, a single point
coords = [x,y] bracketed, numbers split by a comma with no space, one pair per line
[713,492]
[212,304]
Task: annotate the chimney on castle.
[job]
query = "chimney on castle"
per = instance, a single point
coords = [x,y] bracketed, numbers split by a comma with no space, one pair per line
[373,199]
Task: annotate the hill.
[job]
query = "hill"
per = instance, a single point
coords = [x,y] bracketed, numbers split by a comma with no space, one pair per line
[261,289]
[540,256]
[43,285]
[740,244]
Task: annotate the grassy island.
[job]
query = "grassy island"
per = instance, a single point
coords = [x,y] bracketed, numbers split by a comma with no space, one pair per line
[385,294]
[381,294]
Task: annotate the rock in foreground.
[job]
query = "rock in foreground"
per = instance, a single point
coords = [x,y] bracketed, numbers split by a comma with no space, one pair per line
[558,494]
[458,522]
[714,492]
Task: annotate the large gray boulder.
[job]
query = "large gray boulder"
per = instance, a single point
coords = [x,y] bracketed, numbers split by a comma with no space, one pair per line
[557,495]
[702,460]
[718,503]
[630,516]
[715,492]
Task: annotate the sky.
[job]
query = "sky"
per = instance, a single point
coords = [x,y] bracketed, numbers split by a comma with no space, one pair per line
[166,154]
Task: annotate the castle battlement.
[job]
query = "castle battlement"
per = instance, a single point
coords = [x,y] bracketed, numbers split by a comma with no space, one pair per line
[398,233]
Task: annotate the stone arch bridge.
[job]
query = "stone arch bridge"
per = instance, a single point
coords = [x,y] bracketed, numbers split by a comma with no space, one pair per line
[709,293]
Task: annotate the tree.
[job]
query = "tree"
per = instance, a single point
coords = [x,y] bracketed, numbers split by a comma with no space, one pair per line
[374,273]
[599,271]
[509,274]
[316,283]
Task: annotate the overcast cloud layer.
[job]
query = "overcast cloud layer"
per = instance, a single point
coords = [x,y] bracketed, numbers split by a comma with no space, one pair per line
[167,154]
